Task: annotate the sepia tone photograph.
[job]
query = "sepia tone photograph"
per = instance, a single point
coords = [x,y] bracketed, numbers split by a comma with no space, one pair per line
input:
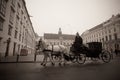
[59,39]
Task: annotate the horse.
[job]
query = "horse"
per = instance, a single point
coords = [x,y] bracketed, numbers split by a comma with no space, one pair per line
[52,51]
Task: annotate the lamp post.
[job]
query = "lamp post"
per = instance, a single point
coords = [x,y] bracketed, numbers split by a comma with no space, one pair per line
[7,47]
[37,47]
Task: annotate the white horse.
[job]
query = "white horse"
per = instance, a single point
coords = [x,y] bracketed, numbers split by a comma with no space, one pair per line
[53,50]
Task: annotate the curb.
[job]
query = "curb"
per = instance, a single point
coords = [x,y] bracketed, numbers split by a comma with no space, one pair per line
[22,62]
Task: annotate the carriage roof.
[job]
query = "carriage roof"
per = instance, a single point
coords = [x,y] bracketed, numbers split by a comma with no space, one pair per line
[95,45]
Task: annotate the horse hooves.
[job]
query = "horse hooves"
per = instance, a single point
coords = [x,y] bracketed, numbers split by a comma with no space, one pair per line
[64,64]
[53,64]
[41,63]
[59,64]
[44,64]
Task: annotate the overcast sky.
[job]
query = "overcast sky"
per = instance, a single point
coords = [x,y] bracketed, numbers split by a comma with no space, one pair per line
[70,15]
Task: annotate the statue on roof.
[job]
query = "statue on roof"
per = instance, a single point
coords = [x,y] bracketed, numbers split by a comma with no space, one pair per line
[60,31]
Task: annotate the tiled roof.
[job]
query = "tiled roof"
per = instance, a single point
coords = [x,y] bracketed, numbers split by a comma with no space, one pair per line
[56,36]
[51,36]
[69,37]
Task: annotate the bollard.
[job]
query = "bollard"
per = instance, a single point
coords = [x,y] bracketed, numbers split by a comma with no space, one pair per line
[35,57]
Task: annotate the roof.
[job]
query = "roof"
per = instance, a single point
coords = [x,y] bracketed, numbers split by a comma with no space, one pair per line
[68,37]
[57,36]
[112,19]
[51,36]
[96,27]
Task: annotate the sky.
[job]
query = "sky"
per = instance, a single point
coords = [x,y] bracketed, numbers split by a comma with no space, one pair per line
[71,16]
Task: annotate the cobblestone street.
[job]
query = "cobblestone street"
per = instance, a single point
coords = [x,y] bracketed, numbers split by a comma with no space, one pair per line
[72,71]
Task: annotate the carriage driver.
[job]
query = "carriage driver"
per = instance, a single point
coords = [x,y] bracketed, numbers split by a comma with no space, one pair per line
[77,43]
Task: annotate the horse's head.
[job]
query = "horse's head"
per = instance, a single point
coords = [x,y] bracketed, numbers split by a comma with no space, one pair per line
[41,44]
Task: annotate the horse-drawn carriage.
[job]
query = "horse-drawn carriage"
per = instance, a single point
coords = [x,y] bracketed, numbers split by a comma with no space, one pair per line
[93,50]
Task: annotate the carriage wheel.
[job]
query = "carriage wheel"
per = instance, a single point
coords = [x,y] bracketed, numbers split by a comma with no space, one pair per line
[81,59]
[73,59]
[106,57]
[56,58]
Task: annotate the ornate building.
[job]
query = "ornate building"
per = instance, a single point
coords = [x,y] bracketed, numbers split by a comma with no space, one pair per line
[107,32]
[59,39]
[16,30]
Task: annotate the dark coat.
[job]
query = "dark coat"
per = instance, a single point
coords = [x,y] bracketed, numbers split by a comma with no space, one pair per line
[77,44]
[78,40]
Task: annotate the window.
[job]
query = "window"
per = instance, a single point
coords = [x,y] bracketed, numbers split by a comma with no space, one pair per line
[105,32]
[58,43]
[106,38]
[3,7]
[109,31]
[102,39]
[114,29]
[16,34]
[0,40]
[10,30]
[119,29]
[1,24]
[22,39]
[19,5]
[117,46]
[18,8]
[115,36]
[24,18]
[17,22]
[110,38]
[53,43]
[11,19]
[13,2]
[19,37]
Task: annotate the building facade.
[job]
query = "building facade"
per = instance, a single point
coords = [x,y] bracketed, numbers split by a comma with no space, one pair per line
[16,30]
[59,39]
[107,32]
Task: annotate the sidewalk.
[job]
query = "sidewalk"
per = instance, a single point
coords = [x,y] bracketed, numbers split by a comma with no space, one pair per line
[87,71]
[21,59]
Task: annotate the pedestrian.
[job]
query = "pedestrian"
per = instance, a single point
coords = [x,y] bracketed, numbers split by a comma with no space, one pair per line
[111,52]
[116,51]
